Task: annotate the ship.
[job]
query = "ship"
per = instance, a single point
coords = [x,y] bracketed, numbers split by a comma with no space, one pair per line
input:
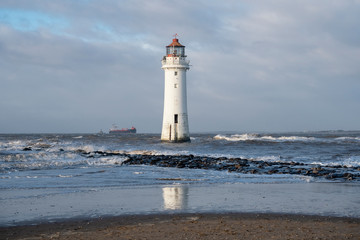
[116,130]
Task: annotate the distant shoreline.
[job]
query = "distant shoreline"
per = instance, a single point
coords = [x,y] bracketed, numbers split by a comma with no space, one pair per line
[193,133]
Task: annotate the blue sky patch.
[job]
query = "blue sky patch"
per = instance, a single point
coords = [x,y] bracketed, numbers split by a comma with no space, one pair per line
[26,20]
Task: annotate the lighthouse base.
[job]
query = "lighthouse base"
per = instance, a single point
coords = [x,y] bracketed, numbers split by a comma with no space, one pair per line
[176,133]
[177,140]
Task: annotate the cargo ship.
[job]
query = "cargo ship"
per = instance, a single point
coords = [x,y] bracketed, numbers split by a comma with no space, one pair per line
[116,130]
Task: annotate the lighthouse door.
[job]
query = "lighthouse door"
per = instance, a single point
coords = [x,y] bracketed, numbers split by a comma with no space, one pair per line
[176,118]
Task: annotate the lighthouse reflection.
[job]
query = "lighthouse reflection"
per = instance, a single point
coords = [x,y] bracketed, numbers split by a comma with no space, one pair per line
[175,198]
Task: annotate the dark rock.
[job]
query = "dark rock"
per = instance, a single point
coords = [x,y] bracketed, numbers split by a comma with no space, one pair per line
[27,149]
[335,175]
[337,166]
[315,171]
[81,151]
[253,171]
[272,171]
[180,165]
[230,164]
[348,175]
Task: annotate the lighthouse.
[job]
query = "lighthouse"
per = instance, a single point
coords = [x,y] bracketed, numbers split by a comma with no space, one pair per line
[175,126]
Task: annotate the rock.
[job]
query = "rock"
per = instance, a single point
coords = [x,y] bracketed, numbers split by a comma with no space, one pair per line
[335,175]
[349,176]
[337,166]
[180,165]
[253,171]
[27,149]
[229,164]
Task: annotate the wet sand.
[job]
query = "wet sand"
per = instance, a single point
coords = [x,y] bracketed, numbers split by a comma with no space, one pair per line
[322,199]
[208,211]
[193,226]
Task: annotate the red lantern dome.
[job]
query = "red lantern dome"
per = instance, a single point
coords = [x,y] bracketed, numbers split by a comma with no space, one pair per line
[175,49]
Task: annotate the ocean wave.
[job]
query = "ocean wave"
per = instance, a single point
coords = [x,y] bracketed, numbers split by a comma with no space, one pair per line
[353,161]
[257,137]
[268,159]
[13,145]
[20,162]
[142,152]
[348,138]
[104,161]
[47,146]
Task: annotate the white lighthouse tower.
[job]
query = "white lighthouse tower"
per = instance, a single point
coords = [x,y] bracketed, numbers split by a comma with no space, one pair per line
[175,126]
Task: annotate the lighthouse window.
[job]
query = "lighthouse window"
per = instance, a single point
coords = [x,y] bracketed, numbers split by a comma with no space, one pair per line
[175,73]
[175,118]
[175,85]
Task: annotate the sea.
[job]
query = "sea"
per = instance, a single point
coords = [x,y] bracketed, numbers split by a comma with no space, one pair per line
[55,164]
[56,160]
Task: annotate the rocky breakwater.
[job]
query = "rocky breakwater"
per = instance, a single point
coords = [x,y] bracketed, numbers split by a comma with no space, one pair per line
[338,172]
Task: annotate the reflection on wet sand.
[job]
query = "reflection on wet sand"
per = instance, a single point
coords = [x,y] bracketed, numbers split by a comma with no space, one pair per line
[175,198]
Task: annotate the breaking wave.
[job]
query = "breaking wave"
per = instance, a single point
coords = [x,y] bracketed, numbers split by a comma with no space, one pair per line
[55,158]
[269,138]
[257,137]
[353,161]
[34,152]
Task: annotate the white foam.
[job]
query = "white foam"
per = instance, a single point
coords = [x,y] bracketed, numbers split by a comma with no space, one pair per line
[13,145]
[296,138]
[85,148]
[267,158]
[348,138]
[143,152]
[257,137]
[236,137]
[65,176]
[353,161]
[55,161]
[106,161]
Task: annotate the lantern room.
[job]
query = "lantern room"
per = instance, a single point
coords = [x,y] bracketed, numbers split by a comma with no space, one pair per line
[175,49]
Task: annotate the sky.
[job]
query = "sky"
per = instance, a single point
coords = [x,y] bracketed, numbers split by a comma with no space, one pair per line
[273,65]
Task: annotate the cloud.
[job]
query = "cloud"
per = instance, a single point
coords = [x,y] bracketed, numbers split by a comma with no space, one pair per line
[78,66]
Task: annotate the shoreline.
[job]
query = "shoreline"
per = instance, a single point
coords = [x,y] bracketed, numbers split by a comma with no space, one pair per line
[193,226]
[320,199]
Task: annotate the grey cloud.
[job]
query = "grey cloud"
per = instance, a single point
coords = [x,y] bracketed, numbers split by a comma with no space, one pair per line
[256,65]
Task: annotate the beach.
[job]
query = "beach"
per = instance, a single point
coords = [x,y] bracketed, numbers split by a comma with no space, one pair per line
[194,226]
[214,211]
[322,199]
[219,186]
